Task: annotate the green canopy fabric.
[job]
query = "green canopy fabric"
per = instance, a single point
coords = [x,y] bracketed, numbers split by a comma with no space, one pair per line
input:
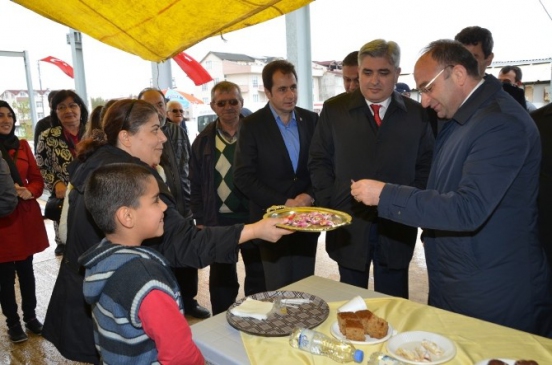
[157,30]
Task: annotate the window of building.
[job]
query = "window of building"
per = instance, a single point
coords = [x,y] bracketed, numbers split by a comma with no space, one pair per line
[204,87]
[255,81]
[255,98]
[208,65]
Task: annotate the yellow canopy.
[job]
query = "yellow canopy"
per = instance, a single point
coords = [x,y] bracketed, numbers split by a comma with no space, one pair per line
[159,29]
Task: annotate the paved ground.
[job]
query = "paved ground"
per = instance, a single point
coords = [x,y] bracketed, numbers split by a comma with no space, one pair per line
[37,351]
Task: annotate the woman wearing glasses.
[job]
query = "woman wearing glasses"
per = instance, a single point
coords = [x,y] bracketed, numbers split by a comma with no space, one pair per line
[56,145]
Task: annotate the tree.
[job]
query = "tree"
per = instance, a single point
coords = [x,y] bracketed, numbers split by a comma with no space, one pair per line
[97,101]
[23,111]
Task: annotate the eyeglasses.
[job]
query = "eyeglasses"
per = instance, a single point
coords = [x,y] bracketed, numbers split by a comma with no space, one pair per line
[427,88]
[177,111]
[72,106]
[222,103]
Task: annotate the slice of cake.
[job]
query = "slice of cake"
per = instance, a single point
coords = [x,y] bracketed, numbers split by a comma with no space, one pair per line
[341,317]
[354,330]
[364,316]
[377,327]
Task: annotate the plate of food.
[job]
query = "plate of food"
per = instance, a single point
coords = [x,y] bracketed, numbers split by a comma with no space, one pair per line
[298,309]
[497,361]
[368,340]
[361,327]
[420,347]
[308,219]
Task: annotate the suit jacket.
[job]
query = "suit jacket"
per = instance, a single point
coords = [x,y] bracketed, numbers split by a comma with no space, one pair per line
[348,145]
[543,119]
[262,167]
[483,255]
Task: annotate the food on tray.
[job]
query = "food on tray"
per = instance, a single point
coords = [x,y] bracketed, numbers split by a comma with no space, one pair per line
[371,324]
[305,220]
[425,352]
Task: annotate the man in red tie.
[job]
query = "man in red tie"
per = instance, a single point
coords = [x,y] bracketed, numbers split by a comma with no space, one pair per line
[373,131]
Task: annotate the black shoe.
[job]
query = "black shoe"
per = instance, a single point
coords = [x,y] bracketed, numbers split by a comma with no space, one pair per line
[197,311]
[34,326]
[60,250]
[17,334]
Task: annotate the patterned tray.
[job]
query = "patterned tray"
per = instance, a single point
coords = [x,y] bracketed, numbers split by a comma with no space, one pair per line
[308,315]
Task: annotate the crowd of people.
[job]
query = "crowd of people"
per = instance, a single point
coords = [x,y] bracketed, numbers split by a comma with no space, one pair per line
[468,165]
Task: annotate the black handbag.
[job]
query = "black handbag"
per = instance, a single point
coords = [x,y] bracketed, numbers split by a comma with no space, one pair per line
[53,208]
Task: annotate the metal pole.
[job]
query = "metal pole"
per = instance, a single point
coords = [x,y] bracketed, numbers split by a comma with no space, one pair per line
[74,38]
[298,40]
[40,86]
[30,88]
[161,75]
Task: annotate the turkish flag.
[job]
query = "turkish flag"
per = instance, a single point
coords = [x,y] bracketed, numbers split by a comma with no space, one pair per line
[192,68]
[64,66]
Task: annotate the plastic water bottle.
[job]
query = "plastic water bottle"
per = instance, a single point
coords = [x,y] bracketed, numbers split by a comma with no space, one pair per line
[319,344]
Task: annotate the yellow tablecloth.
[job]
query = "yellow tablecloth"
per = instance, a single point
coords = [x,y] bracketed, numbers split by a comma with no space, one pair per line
[475,340]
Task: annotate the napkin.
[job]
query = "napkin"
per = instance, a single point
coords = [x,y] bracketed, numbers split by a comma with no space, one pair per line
[353,305]
[253,308]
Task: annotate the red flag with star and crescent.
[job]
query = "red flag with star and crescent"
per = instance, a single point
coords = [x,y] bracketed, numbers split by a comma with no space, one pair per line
[64,66]
[192,68]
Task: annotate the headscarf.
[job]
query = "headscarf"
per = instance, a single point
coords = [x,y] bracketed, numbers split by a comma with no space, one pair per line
[10,142]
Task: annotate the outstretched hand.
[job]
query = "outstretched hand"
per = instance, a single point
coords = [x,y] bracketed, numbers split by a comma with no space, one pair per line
[367,191]
[264,229]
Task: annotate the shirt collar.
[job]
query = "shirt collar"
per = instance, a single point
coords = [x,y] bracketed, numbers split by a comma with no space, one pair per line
[384,105]
[277,117]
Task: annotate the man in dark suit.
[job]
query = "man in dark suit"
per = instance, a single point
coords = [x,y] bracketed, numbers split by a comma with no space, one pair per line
[373,131]
[484,259]
[271,169]
[543,119]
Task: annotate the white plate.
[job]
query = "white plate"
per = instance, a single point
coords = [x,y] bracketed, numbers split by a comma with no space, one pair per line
[486,361]
[368,340]
[410,340]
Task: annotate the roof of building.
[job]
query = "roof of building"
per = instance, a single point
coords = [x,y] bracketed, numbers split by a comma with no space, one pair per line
[240,57]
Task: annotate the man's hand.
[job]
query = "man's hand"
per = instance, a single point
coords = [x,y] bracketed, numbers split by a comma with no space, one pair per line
[301,200]
[367,191]
[60,189]
[264,229]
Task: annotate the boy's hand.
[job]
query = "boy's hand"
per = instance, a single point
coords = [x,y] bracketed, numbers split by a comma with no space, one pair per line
[264,229]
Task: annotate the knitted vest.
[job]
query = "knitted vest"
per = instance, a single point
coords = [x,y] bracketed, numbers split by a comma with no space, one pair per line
[229,200]
[117,279]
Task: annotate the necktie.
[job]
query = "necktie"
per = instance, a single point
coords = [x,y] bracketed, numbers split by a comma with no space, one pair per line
[376,108]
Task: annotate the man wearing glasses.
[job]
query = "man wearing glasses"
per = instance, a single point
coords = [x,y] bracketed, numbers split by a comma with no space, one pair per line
[479,211]
[270,168]
[373,132]
[215,200]
[175,114]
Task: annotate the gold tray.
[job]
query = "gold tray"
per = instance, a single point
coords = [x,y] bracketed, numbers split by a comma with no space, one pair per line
[338,219]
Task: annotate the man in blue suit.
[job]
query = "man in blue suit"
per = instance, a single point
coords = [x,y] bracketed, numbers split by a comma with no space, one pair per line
[270,168]
[479,211]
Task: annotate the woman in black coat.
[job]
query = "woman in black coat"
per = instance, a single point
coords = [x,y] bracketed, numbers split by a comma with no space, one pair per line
[131,133]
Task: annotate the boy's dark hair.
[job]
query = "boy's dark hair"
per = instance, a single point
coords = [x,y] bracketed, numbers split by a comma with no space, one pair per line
[111,187]
[476,35]
[271,68]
